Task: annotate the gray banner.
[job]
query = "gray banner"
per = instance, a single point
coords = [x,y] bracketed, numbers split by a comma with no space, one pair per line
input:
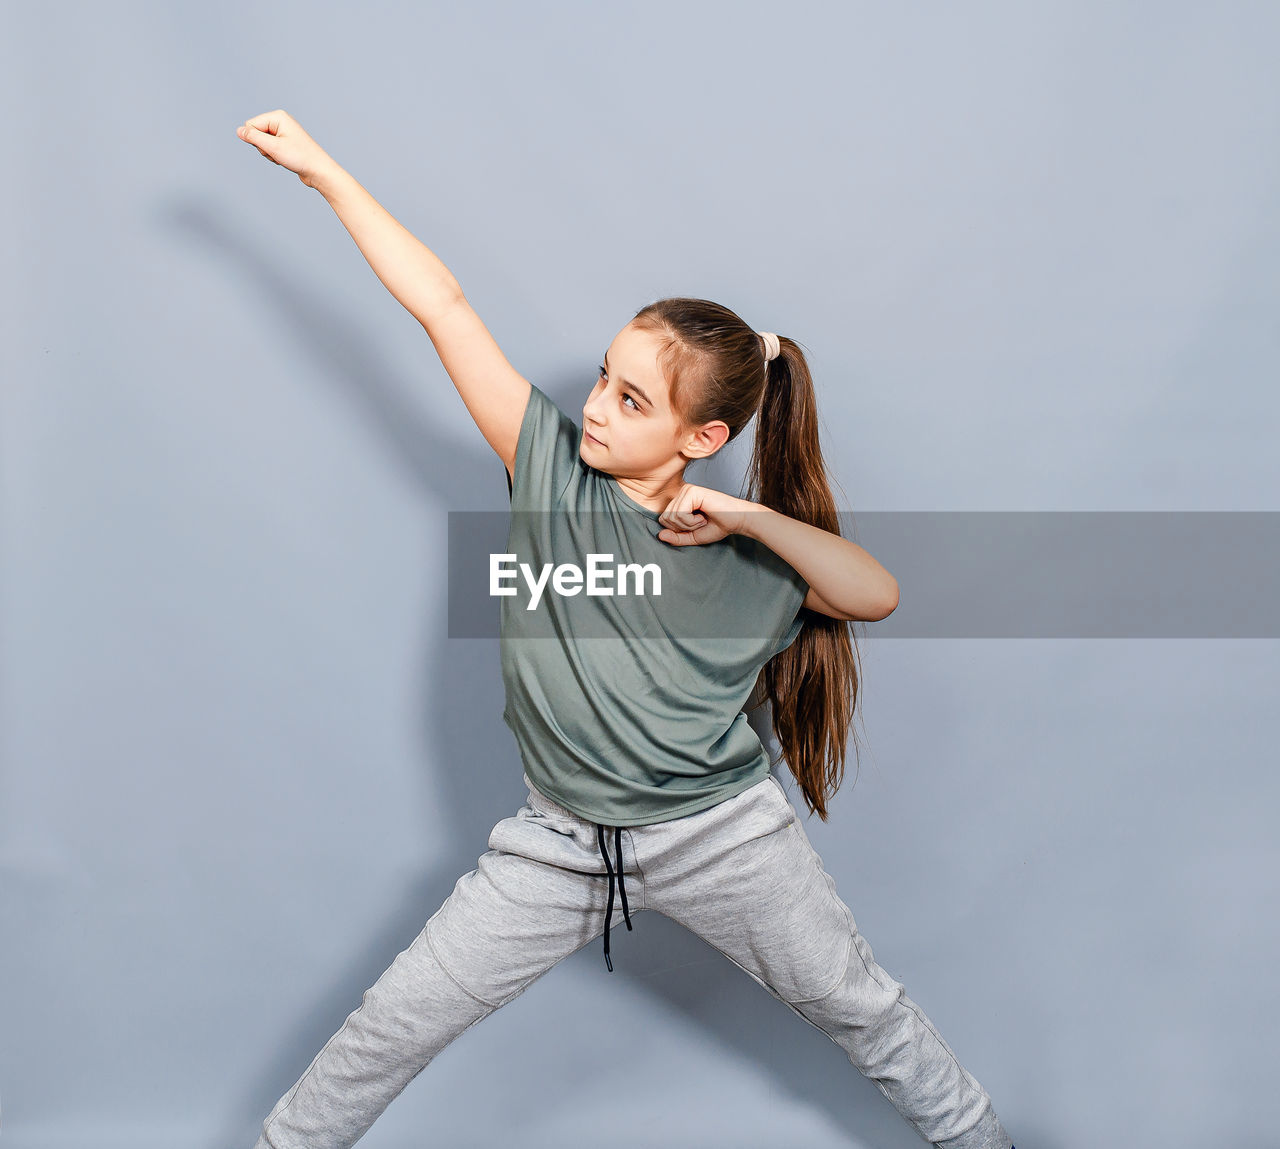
[996,574]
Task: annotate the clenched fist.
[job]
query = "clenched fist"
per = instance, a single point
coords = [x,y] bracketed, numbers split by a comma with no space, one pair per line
[279,137]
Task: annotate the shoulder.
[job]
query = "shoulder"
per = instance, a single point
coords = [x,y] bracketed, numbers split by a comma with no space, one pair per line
[547,452]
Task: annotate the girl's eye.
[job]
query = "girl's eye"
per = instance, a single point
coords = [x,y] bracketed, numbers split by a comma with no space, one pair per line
[605,375]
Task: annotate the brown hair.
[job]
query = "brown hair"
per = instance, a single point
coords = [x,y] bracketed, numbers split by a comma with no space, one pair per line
[715,367]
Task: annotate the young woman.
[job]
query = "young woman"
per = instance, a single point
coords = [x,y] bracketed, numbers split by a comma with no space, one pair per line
[629,709]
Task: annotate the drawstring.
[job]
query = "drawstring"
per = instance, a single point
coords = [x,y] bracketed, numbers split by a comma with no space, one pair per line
[617,841]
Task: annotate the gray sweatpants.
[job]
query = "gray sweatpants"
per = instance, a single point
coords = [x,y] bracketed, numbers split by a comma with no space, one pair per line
[741,875]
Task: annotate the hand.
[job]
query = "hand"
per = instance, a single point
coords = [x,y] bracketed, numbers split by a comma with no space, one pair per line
[279,137]
[701,515]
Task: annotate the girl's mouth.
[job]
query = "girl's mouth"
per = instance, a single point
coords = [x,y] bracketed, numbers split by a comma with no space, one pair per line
[592,438]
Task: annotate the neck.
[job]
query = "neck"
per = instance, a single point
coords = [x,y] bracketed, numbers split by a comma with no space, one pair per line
[653,493]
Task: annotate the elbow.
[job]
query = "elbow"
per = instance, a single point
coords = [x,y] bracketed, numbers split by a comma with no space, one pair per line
[890,603]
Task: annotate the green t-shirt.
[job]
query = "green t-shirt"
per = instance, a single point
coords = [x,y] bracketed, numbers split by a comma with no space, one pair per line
[628,708]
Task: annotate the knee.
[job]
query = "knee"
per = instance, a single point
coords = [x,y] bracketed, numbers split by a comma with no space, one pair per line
[414,1007]
[863,997]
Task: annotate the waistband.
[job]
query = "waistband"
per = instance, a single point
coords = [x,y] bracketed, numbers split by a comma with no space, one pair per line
[551,803]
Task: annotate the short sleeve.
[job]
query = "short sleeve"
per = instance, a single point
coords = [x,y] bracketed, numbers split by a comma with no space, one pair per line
[788,591]
[548,451]
[800,591]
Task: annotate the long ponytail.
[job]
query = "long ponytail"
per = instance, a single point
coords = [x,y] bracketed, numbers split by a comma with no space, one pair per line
[812,686]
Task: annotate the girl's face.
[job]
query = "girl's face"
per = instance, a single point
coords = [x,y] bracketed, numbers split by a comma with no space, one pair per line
[628,426]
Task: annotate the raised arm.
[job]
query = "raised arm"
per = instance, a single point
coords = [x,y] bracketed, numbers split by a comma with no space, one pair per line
[494,392]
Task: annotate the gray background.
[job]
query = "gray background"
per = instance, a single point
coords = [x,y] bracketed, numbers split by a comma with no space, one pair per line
[1031,250]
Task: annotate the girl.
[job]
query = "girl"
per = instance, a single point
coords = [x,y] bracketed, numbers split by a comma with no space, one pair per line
[640,746]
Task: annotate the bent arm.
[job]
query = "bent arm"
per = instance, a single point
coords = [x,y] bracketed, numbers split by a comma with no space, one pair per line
[844,580]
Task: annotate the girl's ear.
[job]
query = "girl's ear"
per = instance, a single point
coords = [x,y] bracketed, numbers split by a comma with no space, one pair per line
[707,440]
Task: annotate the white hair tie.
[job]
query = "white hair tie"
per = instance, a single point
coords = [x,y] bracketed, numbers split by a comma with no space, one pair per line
[771,345]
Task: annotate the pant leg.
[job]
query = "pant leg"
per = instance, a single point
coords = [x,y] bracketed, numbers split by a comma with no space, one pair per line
[749,883]
[537,895]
